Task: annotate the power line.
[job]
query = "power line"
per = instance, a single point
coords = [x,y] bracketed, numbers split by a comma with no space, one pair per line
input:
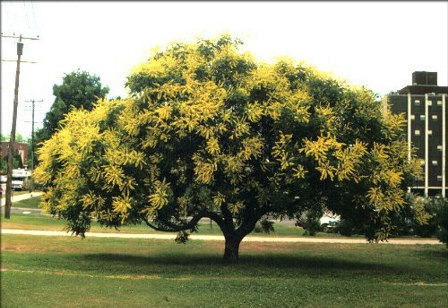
[20,61]
[20,37]
[32,101]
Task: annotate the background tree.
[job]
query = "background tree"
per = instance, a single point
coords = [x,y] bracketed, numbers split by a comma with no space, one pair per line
[79,89]
[209,132]
[16,162]
[17,159]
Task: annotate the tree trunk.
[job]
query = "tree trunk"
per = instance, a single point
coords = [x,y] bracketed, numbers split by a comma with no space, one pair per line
[232,246]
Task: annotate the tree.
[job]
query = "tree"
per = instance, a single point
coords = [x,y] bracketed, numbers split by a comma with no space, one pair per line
[16,162]
[79,89]
[17,159]
[19,138]
[211,133]
[442,219]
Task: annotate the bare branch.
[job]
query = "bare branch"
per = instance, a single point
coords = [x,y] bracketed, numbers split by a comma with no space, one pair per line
[171,227]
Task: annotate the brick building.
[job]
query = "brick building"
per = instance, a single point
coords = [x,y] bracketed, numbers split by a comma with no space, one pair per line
[20,147]
[424,106]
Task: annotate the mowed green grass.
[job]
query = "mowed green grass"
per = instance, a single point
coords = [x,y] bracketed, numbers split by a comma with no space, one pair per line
[30,203]
[47,222]
[97,272]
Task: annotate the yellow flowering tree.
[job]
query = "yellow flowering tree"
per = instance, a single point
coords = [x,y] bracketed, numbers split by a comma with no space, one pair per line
[209,132]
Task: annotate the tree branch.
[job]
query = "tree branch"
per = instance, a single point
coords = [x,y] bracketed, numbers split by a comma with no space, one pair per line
[170,227]
[228,224]
[216,218]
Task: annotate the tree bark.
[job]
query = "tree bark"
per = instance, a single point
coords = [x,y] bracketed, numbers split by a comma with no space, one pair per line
[232,246]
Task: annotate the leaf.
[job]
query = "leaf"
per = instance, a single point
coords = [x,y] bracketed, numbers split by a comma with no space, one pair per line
[159,197]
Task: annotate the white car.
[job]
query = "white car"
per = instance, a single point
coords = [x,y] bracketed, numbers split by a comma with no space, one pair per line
[17,185]
[328,221]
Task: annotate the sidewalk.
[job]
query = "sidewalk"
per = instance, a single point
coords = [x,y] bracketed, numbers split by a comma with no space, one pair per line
[19,197]
[221,238]
[208,237]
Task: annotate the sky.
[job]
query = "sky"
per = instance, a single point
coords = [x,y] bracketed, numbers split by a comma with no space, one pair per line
[373,44]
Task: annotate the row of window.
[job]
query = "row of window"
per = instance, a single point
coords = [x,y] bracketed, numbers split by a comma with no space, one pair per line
[417,132]
[417,102]
[433,162]
[417,178]
[423,117]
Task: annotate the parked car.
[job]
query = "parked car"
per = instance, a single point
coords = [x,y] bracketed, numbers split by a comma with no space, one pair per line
[329,221]
[17,184]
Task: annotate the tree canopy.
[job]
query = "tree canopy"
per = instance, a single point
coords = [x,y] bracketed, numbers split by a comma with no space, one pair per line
[210,132]
[79,89]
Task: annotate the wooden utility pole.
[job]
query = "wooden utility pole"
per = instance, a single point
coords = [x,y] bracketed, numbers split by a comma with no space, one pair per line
[12,140]
[32,140]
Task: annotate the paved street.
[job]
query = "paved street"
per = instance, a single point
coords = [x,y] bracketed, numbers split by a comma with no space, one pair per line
[19,198]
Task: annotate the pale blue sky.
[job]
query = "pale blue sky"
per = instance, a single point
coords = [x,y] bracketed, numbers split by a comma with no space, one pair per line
[375,44]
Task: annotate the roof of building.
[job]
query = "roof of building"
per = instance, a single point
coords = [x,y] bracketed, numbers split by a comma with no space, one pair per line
[423,89]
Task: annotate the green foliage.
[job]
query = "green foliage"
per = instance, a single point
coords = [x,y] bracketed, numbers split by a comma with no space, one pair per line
[19,138]
[439,207]
[347,227]
[425,217]
[16,162]
[310,221]
[79,89]
[209,132]
[17,159]
[264,225]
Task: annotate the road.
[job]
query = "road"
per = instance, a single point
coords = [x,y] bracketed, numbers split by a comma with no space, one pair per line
[19,198]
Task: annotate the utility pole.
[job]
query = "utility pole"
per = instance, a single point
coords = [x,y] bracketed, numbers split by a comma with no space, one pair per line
[12,140]
[32,139]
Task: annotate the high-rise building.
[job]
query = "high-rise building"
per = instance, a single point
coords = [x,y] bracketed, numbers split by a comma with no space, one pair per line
[424,107]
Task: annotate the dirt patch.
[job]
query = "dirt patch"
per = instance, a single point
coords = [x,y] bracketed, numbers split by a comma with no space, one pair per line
[266,246]
[136,277]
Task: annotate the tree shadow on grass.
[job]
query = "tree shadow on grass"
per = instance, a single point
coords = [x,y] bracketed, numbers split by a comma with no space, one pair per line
[248,266]
[434,254]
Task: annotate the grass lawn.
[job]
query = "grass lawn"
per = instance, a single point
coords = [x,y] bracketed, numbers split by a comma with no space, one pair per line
[31,203]
[46,222]
[97,272]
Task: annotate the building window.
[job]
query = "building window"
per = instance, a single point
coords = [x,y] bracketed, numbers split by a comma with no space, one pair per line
[439,147]
[434,163]
[417,102]
[422,117]
[439,178]
[434,117]
[417,132]
[429,132]
[439,103]
[429,103]
[412,117]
